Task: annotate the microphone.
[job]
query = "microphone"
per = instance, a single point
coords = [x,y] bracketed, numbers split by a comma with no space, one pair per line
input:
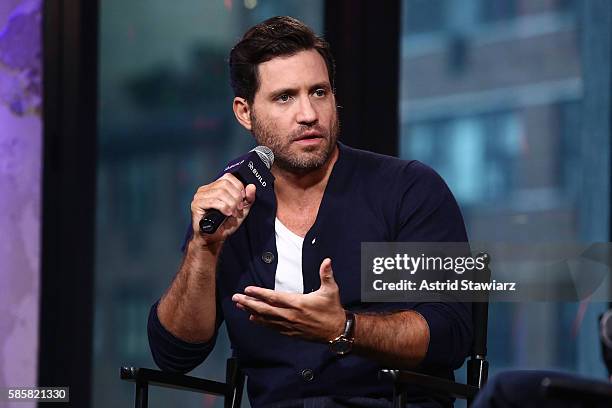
[252,168]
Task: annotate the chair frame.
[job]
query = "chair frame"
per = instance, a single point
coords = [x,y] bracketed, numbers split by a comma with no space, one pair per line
[231,389]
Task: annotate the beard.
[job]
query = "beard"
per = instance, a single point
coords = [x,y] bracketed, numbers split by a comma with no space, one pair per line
[309,157]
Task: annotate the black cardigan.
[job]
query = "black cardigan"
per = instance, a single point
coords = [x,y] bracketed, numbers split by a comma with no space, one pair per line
[369,198]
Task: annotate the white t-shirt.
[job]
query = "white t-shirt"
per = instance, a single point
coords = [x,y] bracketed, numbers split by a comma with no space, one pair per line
[289,267]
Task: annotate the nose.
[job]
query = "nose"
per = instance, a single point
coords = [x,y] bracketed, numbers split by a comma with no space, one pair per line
[306,115]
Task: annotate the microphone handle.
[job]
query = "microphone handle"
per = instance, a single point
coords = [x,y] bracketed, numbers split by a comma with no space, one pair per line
[211,221]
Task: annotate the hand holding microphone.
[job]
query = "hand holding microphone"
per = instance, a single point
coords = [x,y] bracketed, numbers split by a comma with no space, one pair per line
[228,197]
[219,208]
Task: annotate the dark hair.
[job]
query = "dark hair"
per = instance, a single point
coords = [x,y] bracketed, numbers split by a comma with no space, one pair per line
[277,36]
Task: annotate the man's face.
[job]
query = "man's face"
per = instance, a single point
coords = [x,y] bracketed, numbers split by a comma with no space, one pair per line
[294,111]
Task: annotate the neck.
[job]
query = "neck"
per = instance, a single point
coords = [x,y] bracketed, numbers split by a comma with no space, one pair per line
[299,188]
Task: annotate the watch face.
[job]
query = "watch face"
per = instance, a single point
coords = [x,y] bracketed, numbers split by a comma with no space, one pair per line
[341,346]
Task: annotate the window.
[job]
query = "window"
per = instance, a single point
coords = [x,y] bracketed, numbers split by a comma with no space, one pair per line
[424,15]
[501,121]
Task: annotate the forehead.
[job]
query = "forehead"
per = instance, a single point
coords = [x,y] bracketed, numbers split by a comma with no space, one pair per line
[299,70]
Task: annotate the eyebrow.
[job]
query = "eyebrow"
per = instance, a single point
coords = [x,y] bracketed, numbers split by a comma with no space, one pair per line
[293,91]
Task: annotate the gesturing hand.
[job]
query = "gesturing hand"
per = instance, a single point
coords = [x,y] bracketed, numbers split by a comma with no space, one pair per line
[316,316]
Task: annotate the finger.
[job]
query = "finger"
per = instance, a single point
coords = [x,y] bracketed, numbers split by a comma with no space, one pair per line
[282,326]
[258,306]
[221,203]
[237,193]
[271,297]
[267,322]
[233,180]
[246,309]
[236,190]
[223,183]
[233,198]
[270,320]
[250,191]
[254,315]
[221,186]
[326,273]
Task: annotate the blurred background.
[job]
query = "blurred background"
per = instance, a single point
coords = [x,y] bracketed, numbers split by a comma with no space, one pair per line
[508,100]
[166,127]
[493,98]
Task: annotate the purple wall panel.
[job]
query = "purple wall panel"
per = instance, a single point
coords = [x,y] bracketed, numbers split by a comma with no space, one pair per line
[20,189]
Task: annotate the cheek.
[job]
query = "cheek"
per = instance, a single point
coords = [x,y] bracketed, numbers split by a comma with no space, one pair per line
[277,130]
[282,124]
[326,109]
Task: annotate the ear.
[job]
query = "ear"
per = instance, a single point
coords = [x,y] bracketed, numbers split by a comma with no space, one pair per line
[242,111]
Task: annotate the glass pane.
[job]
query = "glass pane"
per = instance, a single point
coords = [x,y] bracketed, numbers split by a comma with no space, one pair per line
[166,127]
[491,98]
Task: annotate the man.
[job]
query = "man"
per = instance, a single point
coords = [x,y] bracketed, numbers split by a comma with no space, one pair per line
[311,341]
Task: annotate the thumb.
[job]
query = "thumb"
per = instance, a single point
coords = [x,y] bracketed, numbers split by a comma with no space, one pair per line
[247,202]
[326,273]
[249,192]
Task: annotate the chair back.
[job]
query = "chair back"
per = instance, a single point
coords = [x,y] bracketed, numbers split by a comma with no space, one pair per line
[234,378]
[478,366]
[230,390]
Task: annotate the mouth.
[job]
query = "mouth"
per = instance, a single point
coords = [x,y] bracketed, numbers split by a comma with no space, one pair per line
[308,136]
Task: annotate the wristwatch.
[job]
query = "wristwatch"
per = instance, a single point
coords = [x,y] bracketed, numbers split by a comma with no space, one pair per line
[344,343]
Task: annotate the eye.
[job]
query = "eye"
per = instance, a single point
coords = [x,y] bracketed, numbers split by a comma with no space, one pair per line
[320,92]
[284,98]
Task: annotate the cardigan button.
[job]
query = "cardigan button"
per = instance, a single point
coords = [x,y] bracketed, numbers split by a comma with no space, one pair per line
[267,257]
[307,375]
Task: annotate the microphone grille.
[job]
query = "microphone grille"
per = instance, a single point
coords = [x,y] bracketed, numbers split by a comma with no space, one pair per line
[265,154]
